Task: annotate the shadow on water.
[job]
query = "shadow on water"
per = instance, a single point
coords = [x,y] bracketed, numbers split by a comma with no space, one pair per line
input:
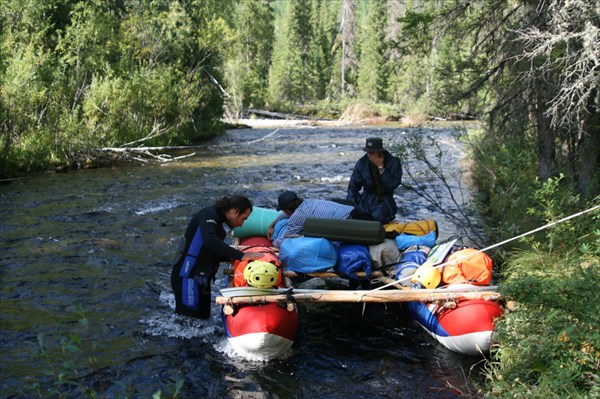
[105,239]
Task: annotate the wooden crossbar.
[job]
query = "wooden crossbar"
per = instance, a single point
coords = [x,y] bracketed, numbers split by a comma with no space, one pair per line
[387,296]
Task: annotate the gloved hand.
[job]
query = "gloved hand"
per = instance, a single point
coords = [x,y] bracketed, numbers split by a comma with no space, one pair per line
[204,283]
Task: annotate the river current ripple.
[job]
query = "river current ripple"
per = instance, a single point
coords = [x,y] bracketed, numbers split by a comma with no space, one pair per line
[101,242]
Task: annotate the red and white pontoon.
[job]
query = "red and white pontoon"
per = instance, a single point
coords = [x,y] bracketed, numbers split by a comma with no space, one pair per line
[259,330]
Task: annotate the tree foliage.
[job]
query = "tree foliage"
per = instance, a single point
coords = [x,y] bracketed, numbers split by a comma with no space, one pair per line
[514,63]
[372,76]
[78,75]
[247,66]
[348,59]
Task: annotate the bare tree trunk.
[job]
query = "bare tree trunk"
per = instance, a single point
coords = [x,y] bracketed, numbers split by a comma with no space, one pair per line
[347,22]
[546,135]
[396,10]
[343,61]
[589,164]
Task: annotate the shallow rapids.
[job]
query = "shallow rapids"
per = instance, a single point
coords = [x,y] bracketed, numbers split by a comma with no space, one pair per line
[102,241]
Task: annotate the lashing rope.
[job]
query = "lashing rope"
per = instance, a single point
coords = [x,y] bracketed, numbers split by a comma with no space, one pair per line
[546,226]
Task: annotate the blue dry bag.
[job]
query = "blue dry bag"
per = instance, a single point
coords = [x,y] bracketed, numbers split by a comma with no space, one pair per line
[408,240]
[307,254]
[409,263]
[353,258]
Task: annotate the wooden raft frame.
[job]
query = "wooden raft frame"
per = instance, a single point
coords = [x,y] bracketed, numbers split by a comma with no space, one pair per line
[402,294]
[373,296]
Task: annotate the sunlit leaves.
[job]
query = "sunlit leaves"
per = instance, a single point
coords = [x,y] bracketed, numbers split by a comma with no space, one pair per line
[78,75]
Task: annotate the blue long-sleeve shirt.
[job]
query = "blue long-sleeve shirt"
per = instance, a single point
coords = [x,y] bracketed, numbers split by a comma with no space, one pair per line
[312,208]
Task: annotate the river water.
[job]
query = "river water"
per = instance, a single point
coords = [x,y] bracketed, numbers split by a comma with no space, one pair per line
[99,243]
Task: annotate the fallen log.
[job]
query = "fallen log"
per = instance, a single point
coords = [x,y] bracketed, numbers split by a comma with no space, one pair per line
[488,293]
[146,154]
[276,115]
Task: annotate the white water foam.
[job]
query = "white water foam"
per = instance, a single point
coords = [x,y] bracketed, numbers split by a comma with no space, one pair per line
[334,179]
[167,323]
[104,209]
[225,347]
[176,326]
[157,206]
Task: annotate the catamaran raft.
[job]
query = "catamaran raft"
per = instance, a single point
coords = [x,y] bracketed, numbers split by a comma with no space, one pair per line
[444,287]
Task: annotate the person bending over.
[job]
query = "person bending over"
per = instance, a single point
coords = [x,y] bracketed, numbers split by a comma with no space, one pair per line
[297,210]
[198,261]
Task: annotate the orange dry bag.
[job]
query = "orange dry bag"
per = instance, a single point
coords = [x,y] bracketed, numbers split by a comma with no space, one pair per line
[468,266]
[240,265]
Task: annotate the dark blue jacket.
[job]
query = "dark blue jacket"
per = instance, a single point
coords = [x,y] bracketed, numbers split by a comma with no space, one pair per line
[365,183]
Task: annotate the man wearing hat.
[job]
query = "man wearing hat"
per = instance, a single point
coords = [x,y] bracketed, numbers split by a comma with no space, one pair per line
[374,179]
[297,210]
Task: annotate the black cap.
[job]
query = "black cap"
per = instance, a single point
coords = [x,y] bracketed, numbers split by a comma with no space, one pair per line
[285,198]
[374,144]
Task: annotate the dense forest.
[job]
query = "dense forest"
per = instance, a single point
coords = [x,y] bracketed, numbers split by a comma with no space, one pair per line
[77,76]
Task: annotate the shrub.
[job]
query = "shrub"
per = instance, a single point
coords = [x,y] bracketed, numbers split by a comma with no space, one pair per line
[550,346]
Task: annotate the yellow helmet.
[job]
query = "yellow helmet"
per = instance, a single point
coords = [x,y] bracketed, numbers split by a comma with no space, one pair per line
[426,276]
[261,274]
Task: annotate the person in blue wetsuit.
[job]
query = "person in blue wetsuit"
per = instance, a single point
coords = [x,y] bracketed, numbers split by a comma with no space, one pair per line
[297,210]
[375,177]
[198,261]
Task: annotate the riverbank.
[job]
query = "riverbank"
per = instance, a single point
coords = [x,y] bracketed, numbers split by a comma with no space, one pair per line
[280,123]
[256,123]
[119,156]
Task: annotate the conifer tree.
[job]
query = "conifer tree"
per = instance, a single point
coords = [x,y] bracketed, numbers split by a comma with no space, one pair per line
[317,61]
[288,75]
[326,39]
[371,74]
[535,65]
[393,55]
[247,68]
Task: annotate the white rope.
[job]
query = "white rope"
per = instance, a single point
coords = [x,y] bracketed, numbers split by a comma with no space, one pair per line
[499,244]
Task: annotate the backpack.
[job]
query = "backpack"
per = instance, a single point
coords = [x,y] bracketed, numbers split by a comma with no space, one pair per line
[468,266]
